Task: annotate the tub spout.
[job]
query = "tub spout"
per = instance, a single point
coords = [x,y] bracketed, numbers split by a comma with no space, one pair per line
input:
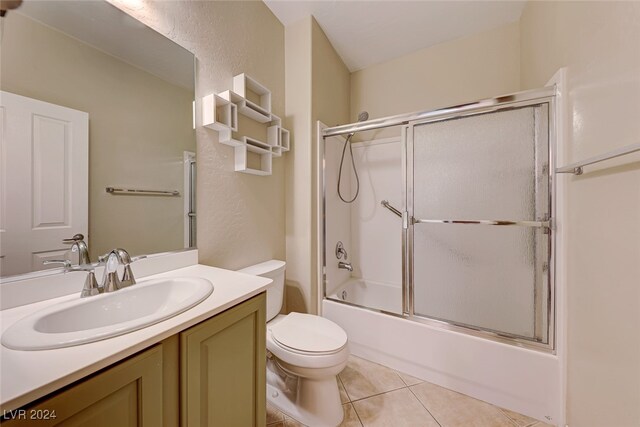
[345,266]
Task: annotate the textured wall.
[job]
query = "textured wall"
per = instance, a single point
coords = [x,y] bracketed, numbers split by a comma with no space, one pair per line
[241,218]
[317,89]
[599,44]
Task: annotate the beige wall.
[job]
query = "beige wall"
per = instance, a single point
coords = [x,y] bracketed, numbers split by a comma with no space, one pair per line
[298,166]
[330,100]
[241,218]
[599,43]
[317,89]
[139,126]
[479,66]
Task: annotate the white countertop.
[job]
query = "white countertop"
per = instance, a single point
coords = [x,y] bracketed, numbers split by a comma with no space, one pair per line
[29,375]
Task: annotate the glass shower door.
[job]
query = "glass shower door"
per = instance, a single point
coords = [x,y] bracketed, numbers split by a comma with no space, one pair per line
[479,205]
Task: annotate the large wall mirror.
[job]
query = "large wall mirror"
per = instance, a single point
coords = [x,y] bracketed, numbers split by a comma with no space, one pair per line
[92,100]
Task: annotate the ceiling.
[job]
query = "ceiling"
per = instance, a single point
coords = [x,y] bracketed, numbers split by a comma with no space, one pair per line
[365,33]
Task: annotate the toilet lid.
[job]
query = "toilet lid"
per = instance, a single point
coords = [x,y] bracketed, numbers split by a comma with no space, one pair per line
[309,333]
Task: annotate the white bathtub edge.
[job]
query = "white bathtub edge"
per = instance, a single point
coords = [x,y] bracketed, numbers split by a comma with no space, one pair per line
[484,369]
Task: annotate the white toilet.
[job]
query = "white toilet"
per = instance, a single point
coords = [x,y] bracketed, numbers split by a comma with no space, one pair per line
[305,353]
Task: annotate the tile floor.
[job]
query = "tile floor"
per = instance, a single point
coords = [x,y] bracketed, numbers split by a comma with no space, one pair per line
[374,395]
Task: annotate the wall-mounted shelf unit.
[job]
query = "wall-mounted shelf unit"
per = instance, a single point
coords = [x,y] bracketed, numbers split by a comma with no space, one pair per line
[220,114]
[253,100]
[253,157]
[257,97]
[277,136]
[246,107]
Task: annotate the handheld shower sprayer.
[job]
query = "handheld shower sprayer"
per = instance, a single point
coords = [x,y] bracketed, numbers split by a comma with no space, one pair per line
[362,117]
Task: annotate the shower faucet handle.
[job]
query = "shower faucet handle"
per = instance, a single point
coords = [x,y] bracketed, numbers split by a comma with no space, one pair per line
[340,251]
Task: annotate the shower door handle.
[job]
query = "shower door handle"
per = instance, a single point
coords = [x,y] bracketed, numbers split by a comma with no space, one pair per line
[498,222]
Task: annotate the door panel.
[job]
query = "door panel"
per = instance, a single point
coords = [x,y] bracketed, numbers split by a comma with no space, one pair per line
[51,163]
[44,180]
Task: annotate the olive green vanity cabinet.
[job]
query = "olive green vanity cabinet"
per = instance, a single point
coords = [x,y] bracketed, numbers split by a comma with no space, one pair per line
[223,370]
[128,394]
[212,374]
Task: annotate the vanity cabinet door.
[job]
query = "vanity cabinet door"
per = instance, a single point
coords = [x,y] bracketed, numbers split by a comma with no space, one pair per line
[128,394]
[223,370]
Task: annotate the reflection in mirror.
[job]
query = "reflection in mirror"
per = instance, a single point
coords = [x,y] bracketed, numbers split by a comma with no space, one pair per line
[91,98]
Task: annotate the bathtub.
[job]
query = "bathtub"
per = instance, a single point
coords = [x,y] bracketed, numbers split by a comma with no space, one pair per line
[371,314]
[367,293]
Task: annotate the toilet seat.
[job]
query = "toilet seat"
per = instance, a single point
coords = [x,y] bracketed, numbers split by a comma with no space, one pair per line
[307,341]
[306,333]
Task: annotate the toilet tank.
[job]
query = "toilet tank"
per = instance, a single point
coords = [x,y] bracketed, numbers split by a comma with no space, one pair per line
[273,269]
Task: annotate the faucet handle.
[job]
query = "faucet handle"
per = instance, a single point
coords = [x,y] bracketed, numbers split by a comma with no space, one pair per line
[76,238]
[127,276]
[90,284]
[91,287]
[64,262]
[84,267]
[340,251]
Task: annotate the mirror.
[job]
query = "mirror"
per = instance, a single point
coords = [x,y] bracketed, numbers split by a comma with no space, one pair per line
[92,99]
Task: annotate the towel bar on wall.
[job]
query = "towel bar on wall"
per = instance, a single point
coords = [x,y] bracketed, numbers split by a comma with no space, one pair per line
[135,192]
[576,168]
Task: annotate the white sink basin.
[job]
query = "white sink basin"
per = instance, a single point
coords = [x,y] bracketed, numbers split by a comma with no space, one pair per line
[85,320]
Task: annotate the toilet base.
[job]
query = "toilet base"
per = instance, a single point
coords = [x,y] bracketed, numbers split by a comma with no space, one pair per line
[315,403]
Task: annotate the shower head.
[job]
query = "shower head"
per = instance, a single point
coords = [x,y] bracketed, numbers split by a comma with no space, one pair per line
[362,117]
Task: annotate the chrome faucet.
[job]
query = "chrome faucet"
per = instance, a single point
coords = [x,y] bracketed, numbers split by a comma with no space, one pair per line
[345,266]
[90,287]
[110,281]
[78,245]
[84,264]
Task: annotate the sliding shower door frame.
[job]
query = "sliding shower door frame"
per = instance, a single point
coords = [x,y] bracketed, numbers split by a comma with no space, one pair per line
[408,224]
[546,95]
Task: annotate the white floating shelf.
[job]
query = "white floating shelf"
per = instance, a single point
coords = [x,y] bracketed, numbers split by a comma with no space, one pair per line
[219,114]
[285,139]
[253,100]
[279,139]
[253,92]
[246,107]
[274,140]
[252,158]
[275,120]
[257,144]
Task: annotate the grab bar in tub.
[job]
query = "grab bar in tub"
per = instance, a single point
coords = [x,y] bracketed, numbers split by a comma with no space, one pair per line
[387,205]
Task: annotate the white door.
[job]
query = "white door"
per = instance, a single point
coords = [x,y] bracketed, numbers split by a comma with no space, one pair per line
[44,160]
